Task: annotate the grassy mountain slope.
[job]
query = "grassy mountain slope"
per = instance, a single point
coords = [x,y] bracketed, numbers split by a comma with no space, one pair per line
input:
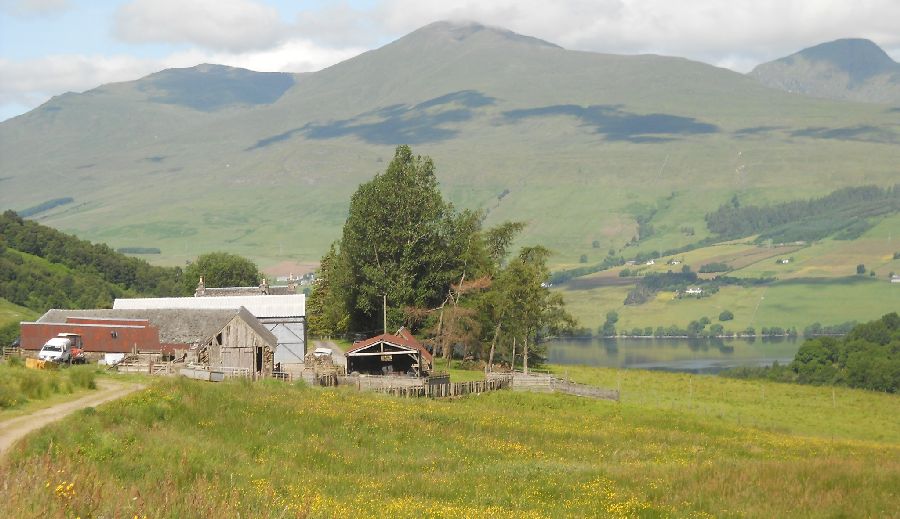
[675,446]
[577,144]
[848,69]
[13,313]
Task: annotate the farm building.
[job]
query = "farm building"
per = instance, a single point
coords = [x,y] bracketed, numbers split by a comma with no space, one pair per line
[284,315]
[264,289]
[388,354]
[217,338]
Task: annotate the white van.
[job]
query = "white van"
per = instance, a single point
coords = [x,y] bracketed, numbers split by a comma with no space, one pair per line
[56,349]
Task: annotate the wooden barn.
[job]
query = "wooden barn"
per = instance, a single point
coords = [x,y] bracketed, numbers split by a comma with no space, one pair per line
[282,314]
[242,345]
[227,340]
[389,354]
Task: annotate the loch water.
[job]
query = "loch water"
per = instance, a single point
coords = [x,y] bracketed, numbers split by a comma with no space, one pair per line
[687,355]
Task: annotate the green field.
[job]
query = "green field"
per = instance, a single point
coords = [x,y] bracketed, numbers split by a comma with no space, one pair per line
[676,446]
[820,284]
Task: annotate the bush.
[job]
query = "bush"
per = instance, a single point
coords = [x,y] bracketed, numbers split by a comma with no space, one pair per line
[83,376]
[10,395]
[726,315]
[714,267]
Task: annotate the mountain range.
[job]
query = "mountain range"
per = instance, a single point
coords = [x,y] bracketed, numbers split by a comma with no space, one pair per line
[580,145]
[851,69]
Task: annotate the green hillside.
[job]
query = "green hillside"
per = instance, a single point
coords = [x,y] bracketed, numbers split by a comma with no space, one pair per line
[13,313]
[819,283]
[847,69]
[580,145]
[675,446]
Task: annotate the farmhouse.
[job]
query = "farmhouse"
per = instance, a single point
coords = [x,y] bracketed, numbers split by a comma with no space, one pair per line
[283,314]
[895,278]
[389,354]
[216,338]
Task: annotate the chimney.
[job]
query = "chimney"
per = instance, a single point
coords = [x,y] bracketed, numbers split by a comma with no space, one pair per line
[201,288]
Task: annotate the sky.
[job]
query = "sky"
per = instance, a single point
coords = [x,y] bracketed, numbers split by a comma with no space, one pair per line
[49,47]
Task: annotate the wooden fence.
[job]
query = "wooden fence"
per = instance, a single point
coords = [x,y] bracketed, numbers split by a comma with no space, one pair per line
[545,383]
[446,389]
[282,375]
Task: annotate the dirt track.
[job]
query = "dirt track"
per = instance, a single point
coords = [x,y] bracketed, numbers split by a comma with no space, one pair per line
[15,428]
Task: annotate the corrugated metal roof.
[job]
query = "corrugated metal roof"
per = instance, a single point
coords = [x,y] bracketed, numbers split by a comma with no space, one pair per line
[293,305]
[176,326]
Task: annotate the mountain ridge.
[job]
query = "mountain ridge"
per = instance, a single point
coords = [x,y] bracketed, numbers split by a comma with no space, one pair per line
[580,145]
[853,69]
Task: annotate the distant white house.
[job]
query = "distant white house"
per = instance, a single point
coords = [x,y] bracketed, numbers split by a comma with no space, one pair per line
[784,261]
[895,278]
[693,291]
[650,262]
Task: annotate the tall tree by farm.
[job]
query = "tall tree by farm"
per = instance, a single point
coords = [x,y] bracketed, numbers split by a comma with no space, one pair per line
[440,273]
[401,240]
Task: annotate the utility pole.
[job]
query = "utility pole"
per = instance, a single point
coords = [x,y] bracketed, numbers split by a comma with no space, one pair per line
[384,310]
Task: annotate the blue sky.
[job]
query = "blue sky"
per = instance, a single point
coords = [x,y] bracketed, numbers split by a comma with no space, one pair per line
[48,47]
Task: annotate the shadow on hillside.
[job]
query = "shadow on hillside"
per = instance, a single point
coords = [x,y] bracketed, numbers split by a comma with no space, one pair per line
[616,124]
[864,133]
[216,87]
[396,124]
[757,130]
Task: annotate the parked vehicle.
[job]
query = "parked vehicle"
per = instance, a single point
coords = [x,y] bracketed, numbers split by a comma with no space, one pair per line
[64,348]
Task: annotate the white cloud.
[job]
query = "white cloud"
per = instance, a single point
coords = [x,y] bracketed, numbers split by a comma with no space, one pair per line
[26,84]
[232,25]
[738,33]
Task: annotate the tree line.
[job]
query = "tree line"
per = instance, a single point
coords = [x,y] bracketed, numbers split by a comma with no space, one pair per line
[89,258]
[867,358]
[844,214]
[439,271]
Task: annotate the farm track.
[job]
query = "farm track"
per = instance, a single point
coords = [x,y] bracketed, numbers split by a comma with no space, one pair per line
[16,428]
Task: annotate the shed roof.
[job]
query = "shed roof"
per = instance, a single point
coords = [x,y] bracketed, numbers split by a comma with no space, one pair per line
[293,305]
[176,326]
[403,338]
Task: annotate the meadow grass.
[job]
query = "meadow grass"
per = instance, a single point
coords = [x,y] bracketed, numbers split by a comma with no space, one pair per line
[186,448]
[19,385]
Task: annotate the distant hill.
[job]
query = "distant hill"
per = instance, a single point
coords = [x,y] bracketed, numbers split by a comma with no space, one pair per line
[851,69]
[591,150]
[42,268]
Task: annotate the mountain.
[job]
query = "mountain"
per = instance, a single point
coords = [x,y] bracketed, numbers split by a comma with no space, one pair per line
[582,146]
[849,69]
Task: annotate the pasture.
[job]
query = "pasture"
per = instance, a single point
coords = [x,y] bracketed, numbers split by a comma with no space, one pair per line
[677,445]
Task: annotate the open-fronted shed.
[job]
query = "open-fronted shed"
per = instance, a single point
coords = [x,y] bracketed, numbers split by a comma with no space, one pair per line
[389,354]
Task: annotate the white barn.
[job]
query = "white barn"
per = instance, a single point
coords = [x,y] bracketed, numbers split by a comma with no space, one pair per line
[283,315]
